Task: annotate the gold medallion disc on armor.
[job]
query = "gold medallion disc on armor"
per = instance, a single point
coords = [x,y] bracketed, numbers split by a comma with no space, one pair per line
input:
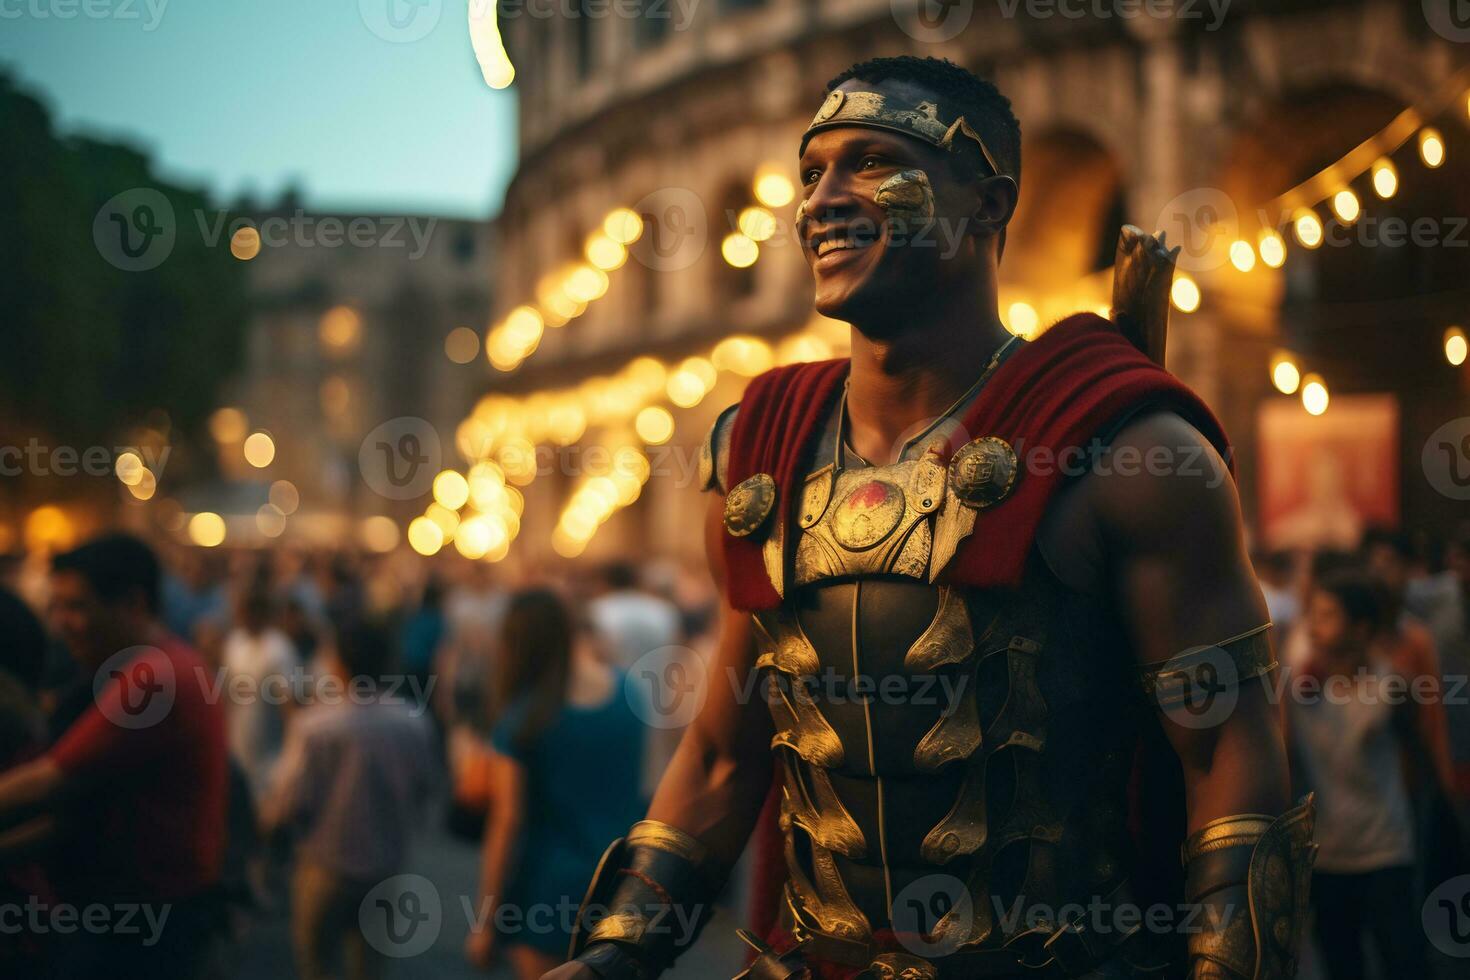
[983,471]
[867,515]
[749,504]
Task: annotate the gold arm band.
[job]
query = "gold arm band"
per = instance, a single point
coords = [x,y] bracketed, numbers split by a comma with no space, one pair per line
[665,837]
[1218,666]
[1232,831]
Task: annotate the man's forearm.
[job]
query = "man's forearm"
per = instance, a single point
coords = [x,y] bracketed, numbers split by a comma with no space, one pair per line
[1247,860]
[27,786]
[1242,767]
[656,886]
[713,796]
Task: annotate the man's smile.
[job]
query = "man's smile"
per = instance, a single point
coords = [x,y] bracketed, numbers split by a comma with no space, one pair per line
[832,246]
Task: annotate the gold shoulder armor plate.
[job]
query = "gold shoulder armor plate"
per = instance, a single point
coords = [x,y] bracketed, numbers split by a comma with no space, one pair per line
[714,451]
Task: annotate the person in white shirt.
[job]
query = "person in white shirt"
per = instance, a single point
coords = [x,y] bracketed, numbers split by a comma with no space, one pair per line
[630,620]
[1349,749]
[258,661]
[630,623]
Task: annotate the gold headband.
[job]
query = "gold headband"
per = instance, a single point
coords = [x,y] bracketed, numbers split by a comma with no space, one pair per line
[871,109]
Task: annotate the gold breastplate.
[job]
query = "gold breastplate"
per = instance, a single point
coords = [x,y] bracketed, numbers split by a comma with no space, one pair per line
[869,521]
[884,797]
[906,518]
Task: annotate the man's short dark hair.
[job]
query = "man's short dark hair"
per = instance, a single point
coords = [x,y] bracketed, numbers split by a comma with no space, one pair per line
[115,566]
[364,648]
[1362,598]
[1386,537]
[984,107]
[620,575]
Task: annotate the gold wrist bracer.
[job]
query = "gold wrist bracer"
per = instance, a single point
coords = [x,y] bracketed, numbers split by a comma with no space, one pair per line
[1249,876]
[666,837]
[650,889]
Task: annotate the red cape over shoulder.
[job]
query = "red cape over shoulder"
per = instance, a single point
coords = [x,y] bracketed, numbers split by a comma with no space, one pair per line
[1049,400]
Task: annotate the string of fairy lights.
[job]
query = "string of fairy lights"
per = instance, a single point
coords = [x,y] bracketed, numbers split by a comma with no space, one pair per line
[631,412]
[1337,190]
[565,293]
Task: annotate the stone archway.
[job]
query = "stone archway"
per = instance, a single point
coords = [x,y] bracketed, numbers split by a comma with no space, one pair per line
[1066,224]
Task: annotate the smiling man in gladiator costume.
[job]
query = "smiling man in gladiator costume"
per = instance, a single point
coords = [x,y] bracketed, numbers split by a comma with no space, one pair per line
[1012,655]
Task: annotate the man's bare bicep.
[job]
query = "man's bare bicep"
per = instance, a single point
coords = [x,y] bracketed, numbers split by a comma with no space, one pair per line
[1177,553]
[1175,540]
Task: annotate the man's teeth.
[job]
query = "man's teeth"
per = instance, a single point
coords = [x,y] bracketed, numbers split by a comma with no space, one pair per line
[833,244]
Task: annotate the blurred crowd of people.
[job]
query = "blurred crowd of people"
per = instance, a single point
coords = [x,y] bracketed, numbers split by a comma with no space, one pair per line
[1375,646]
[192,740]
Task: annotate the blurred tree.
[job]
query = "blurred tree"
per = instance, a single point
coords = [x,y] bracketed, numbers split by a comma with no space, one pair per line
[91,349]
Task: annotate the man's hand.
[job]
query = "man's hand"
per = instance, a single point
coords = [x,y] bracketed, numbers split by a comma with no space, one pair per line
[479,948]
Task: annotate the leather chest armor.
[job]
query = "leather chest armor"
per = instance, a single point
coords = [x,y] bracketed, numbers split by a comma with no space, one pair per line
[954,761]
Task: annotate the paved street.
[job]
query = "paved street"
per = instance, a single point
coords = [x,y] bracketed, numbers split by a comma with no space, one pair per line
[451,866]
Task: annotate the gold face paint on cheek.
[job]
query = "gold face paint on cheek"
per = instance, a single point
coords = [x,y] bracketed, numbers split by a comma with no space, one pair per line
[908,197]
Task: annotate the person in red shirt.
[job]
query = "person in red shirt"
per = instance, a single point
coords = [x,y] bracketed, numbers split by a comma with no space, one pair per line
[133,795]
